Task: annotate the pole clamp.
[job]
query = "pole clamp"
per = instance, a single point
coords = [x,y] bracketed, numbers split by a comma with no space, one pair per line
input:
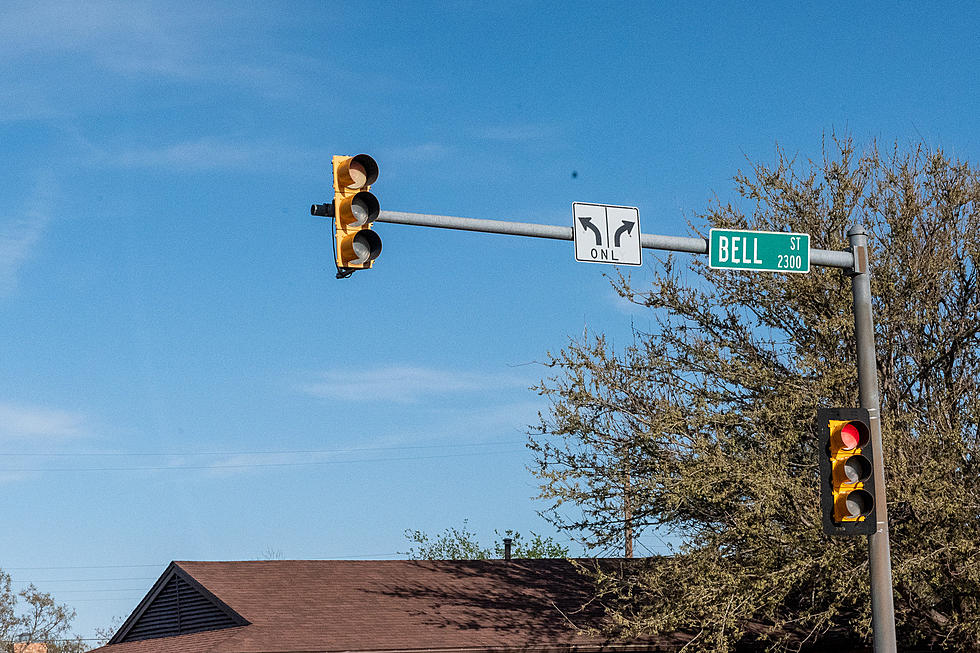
[860,265]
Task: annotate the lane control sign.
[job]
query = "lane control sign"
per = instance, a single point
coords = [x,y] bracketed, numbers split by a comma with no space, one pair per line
[765,251]
[606,234]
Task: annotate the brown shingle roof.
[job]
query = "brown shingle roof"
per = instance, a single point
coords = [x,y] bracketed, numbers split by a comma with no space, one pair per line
[391,605]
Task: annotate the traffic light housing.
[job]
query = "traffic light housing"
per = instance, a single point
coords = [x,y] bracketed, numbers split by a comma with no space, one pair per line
[354,209]
[847,487]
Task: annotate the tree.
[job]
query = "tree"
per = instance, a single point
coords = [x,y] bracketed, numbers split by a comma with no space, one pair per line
[32,616]
[104,633]
[600,427]
[461,544]
[711,411]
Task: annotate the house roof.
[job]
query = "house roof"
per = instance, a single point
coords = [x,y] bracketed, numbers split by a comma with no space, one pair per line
[392,605]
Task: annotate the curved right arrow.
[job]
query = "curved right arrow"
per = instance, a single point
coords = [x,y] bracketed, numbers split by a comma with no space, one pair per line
[627,227]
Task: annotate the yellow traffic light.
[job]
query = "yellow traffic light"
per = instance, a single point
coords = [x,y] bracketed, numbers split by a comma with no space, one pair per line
[354,209]
[846,478]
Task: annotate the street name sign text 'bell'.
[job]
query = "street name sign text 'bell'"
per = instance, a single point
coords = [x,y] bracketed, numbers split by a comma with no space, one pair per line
[606,234]
[764,251]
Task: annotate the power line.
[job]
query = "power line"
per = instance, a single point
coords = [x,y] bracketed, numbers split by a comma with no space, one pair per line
[161,567]
[104,589]
[246,465]
[156,564]
[263,453]
[81,580]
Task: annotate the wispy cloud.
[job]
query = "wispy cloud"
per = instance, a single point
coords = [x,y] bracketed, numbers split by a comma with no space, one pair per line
[26,99]
[142,42]
[625,306]
[239,464]
[516,132]
[420,153]
[206,154]
[17,241]
[19,237]
[11,477]
[21,421]
[407,384]
[135,36]
[202,154]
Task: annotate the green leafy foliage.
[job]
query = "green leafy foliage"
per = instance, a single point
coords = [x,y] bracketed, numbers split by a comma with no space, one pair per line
[462,544]
[33,616]
[702,427]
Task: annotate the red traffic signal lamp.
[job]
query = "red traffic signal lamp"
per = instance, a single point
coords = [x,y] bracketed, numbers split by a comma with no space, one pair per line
[847,490]
[354,209]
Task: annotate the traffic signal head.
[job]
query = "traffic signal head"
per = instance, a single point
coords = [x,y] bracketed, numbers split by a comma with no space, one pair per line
[355,208]
[355,172]
[847,492]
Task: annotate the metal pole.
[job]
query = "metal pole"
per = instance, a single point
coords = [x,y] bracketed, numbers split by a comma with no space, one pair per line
[879,556]
[856,262]
[825,257]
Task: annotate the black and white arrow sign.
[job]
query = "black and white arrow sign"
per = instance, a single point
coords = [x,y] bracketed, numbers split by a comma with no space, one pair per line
[606,234]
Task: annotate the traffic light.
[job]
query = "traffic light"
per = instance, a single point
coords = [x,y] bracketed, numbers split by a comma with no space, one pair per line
[354,208]
[847,489]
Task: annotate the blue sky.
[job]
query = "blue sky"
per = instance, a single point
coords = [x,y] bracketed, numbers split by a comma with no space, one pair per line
[181,377]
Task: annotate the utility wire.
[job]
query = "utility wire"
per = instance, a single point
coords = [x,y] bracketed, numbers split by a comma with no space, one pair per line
[81,580]
[163,566]
[264,453]
[105,589]
[156,564]
[246,465]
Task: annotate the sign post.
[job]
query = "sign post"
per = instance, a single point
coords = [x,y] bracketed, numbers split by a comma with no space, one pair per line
[879,549]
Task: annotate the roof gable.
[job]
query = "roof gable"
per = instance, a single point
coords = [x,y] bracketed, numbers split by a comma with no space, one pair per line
[177,605]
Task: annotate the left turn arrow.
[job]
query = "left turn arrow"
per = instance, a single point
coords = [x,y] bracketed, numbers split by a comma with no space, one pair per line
[587,224]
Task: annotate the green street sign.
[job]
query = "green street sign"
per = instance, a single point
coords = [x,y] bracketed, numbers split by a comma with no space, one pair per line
[765,251]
